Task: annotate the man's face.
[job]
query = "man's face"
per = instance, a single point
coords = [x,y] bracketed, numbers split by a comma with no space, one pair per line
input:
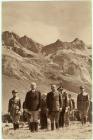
[33,86]
[82,90]
[53,88]
[61,89]
[14,94]
[69,96]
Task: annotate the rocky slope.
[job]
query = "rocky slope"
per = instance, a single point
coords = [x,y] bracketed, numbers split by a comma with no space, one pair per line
[67,62]
[73,63]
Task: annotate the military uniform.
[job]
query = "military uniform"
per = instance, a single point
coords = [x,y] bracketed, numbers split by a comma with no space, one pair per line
[32,104]
[54,104]
[14,110]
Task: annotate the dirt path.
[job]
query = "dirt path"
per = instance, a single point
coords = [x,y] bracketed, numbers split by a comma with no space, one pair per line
[74,131]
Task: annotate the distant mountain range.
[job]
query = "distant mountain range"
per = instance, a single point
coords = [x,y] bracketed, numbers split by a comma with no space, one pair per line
[67,62]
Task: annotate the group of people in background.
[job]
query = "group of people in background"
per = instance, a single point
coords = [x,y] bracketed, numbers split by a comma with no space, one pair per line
[57,106]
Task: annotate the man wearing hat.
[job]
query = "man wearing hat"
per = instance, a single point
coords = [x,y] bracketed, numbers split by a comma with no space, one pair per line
[83,104]
[32,106]
[14,107]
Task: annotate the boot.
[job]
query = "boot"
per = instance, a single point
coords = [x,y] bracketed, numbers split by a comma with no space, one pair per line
[14,126]
[36,126]
[17,125]
[84,120]
[52,126]
[57,125]
[31,126]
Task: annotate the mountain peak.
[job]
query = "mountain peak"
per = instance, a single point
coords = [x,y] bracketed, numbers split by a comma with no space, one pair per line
[25,37]
[77,40]
[78,43]
[58,41]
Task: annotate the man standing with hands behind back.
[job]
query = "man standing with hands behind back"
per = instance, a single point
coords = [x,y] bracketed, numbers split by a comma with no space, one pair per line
[32,105]
[54,106]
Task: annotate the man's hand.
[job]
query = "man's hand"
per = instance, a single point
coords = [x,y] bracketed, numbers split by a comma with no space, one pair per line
[60,109]
[25,110]
[47,112]
[19,112]
[39,110]
[9,113]
[47,109]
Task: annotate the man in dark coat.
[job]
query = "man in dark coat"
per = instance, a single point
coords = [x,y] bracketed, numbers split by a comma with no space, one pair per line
[32,106]
[83,104]
[14,107]
[54,106]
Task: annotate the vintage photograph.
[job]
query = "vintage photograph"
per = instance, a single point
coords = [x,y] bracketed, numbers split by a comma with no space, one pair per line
[47,69]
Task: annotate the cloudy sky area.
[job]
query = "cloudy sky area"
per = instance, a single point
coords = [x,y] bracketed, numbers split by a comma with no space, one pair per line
[45,22]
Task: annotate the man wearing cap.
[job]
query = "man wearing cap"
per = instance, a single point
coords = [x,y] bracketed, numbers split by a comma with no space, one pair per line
[53,101]
[32,106]
[83,104]
[14,107]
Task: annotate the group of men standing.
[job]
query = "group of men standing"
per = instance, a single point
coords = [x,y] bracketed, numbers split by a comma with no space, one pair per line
[56,104]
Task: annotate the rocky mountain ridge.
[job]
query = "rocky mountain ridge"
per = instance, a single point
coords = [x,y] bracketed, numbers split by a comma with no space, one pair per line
[67,62]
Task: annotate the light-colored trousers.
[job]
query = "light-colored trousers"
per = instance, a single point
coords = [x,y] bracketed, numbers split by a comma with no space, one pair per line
[34,115]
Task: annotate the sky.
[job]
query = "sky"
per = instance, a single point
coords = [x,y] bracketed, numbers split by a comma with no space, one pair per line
[45,22]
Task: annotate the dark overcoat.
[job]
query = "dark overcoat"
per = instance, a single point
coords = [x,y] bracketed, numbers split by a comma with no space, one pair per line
[83,103]
[53,101]
[32,100]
